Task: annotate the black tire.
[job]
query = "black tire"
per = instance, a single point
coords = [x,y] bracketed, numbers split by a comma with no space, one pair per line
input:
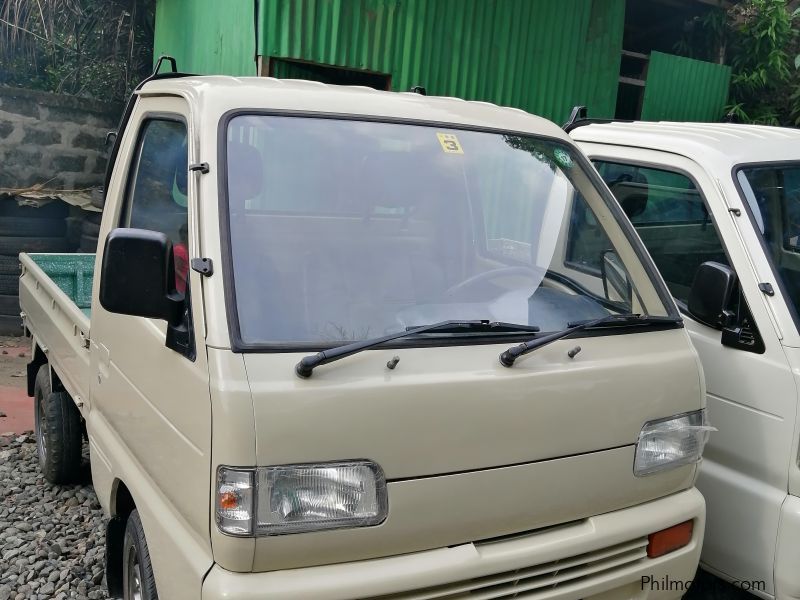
[15,245]
[89,228]
[88,243]
[9,265]
[33,226]
[137,568]
[9,305]
[59,436]
[9,285]
[55,209]
[93,216]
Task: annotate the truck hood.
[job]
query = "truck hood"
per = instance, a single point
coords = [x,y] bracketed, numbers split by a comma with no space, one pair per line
[472,450]
[453,409]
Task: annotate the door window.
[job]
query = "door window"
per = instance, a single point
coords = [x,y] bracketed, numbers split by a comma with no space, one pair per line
[773,195]
[670,215]
[157,193]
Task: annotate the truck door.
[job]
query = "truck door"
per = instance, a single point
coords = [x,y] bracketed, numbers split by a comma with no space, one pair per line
[683,222]
[153,402]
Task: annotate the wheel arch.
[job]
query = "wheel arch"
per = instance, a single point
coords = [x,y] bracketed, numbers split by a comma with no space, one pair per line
[38,358]
[121,506]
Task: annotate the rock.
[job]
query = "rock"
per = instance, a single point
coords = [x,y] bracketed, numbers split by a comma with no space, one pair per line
[52,539]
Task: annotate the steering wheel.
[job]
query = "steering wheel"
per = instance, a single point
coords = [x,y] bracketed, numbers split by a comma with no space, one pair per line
[489,275]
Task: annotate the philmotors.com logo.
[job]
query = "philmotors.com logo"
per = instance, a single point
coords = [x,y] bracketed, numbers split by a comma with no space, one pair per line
[668,584]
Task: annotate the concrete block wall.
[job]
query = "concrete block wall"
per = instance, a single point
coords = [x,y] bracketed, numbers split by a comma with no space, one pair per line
[53,140]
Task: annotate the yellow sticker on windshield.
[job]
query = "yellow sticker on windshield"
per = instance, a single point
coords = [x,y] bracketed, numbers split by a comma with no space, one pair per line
[449,143]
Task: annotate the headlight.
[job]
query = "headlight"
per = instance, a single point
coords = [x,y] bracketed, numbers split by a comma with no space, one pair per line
[670,443]
[298,498]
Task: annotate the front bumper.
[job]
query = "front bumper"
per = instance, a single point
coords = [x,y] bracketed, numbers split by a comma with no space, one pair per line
[600,558]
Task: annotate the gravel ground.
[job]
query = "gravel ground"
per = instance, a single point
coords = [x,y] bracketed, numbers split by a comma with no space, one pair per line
[51,538]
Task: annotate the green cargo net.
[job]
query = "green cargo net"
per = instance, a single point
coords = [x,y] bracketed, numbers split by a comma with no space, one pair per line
[73,273]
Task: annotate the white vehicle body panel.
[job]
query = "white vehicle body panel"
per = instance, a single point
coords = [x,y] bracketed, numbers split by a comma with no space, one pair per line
[750,473]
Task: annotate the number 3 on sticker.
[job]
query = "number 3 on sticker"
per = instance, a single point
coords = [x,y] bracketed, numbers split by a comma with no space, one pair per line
[449,143]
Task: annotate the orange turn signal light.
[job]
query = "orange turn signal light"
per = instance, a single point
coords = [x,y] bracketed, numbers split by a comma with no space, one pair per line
[229,500]
[668,540]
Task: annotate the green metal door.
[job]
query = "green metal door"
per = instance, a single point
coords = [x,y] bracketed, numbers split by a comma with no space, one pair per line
[684,89]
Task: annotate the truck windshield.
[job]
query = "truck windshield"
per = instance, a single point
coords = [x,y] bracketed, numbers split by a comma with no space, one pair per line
[772,193]
[345,230]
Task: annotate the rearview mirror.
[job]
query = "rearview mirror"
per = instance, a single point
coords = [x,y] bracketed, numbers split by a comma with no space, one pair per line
[711,294]
[138,276]
[616,285]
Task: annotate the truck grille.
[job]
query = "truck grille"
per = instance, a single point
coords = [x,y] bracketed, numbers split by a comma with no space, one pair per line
[535,581]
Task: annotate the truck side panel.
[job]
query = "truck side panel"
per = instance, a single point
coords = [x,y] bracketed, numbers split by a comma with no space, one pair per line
[59,328]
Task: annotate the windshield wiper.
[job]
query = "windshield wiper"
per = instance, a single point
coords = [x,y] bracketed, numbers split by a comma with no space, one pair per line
[306,366]
[508,357]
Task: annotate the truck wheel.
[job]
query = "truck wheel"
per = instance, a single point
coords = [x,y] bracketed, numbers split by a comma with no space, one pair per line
[58,431]
[138,581]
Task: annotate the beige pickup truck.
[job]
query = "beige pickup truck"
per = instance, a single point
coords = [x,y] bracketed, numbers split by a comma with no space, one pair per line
[339,343]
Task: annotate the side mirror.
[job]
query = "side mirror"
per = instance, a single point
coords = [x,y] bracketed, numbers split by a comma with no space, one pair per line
[138,276]
[616,285]
[711,295]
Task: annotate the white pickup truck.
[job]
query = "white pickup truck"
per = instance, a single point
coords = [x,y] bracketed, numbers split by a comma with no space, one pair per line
[718,207]
[335,345]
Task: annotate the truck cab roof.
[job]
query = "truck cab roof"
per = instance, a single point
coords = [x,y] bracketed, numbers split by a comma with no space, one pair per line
[724,144]
[222,94]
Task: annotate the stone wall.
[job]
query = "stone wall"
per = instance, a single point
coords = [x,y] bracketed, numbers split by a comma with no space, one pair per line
[53,140]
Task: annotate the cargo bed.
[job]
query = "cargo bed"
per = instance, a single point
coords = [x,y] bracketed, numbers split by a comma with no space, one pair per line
[55,295]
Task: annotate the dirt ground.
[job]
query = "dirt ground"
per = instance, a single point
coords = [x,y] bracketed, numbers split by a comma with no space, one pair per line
[16,408]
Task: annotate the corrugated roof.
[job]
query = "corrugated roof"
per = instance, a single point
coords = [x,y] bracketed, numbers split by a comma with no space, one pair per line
[543,56]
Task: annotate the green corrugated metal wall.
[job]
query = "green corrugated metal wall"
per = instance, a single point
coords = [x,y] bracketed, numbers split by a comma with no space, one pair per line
[683,89]
[207,36]
[541,55]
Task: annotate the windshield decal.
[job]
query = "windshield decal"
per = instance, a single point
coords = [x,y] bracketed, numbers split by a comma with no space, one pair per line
[449,142]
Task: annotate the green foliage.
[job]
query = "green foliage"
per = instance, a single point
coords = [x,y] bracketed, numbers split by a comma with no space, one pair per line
[764,54]
[92,48]
[760,40]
